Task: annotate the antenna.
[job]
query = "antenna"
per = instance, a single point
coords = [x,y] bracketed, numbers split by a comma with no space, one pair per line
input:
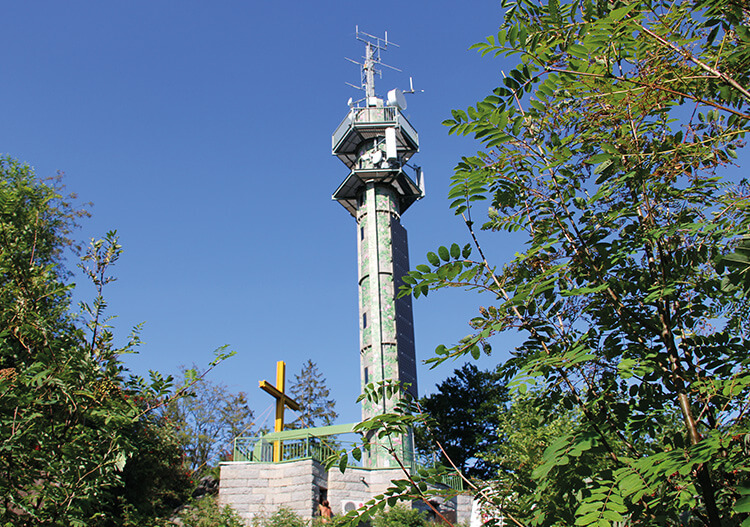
[370,67]
[411,87]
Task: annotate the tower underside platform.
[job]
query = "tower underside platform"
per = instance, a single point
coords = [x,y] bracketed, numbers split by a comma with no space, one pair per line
[350,191]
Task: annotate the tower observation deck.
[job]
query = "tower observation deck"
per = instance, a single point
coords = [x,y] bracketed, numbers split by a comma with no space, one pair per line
[375,141]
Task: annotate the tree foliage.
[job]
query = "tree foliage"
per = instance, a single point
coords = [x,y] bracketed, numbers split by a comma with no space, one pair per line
[528,425]
[81,441]
[154,482]
[604,149]
[466,412]
[206,512]
[400,516]
[207,420]
[64,415]
[310,391]
[283,517]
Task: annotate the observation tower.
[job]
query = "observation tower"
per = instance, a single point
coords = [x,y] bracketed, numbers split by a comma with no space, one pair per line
[375,141]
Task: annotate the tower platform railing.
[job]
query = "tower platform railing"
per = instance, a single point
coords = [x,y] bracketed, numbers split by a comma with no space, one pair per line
[305,443]
[370,116]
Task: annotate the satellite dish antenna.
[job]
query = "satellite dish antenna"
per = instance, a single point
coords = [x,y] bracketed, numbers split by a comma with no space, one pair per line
[396,98]
[350,102]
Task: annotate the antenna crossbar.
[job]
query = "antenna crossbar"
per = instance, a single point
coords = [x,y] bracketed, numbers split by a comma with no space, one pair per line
[372,63]
[376,42]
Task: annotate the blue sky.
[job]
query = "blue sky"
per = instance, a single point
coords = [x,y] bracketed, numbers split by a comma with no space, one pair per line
[201,133]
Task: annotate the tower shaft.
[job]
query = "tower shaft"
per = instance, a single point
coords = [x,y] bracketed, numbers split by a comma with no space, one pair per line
[386,322]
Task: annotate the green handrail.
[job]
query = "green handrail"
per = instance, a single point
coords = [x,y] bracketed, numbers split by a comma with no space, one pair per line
[310,443]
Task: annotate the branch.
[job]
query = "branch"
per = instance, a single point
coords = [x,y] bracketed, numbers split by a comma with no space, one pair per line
[416,487]
[723,76]
[562,373]
[653,87]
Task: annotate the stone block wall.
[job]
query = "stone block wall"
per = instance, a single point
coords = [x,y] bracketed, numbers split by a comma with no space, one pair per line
[254,489]
[464,503]
[261,488]
[358,485]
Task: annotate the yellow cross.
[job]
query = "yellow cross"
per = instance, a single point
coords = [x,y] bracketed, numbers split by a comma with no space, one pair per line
[282,400]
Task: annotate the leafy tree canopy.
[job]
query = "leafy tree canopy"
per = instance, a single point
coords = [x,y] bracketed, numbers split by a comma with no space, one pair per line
[207,420]
[81,441]
[604,149]
[63,413]
[466,413]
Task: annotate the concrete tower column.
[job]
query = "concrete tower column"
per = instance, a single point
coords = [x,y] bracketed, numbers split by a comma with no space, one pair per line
[386,325]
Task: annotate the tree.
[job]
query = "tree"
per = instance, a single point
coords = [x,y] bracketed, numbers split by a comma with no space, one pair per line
[206,512]
[310,391]
[466,414]
[529,424]
[603,149]
[155,481]
[283,517]
[35,223]
[63,413]
[207,420]
[81,442]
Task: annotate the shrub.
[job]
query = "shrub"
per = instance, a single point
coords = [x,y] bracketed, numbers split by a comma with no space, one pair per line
[281,518]
[400,516]
[206,512]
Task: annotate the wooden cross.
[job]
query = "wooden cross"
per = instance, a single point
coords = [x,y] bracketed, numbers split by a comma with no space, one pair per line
[282,401]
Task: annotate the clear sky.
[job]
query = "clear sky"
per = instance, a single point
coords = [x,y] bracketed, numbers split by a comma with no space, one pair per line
[201,133]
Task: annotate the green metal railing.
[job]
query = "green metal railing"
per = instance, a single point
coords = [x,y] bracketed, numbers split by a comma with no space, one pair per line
[452,481]
[260,450]
[308,443]
[311,443]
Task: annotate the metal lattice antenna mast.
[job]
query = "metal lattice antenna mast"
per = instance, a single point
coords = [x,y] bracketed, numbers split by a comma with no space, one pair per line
[368,72]
[373,46]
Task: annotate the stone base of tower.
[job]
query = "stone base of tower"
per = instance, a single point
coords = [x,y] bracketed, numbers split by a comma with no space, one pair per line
[260,489]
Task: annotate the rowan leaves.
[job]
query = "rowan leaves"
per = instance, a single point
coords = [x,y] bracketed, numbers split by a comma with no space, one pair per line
[604,148]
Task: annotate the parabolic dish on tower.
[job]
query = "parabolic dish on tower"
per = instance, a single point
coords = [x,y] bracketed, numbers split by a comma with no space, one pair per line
[396,98]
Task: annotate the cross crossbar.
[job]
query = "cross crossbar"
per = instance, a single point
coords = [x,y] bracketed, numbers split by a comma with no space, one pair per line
[279,396]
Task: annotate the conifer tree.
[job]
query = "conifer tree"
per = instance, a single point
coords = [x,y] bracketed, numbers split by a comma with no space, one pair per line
[466,412]
[310,391]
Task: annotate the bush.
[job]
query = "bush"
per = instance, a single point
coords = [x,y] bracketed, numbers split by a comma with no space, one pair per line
[206,512]
[400,516]
[281,518]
